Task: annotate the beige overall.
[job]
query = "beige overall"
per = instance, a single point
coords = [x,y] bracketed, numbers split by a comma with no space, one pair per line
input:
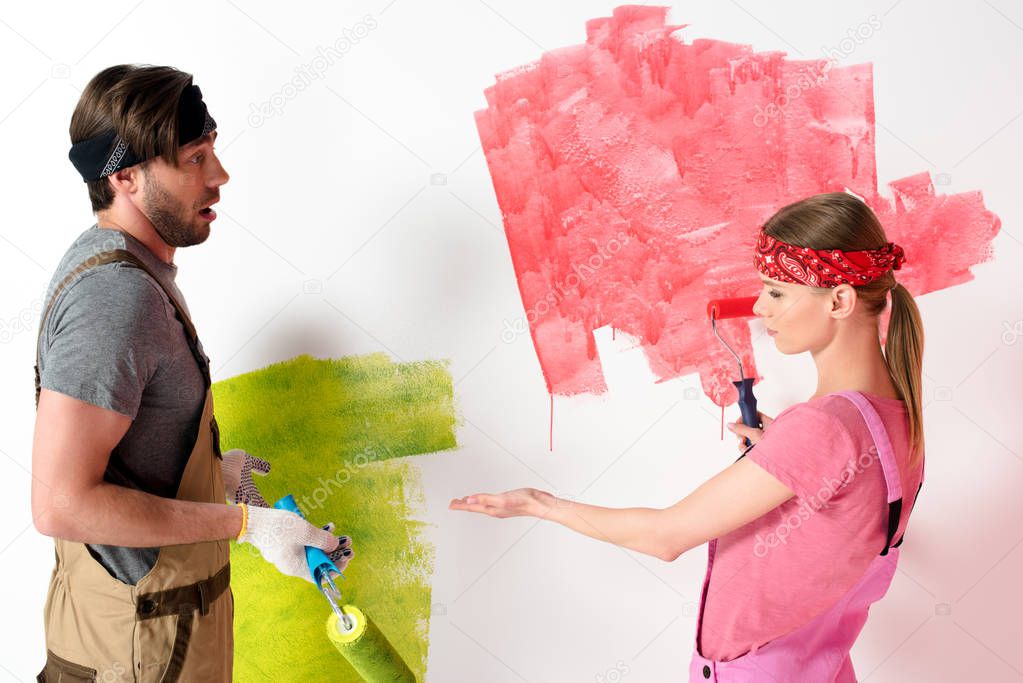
[176,624]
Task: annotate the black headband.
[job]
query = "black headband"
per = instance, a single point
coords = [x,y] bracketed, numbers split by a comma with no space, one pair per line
[103,154]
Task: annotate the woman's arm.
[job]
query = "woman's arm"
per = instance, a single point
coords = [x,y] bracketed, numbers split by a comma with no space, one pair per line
[734,497]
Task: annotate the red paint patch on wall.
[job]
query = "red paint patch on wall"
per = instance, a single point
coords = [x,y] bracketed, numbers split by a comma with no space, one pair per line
[634,171]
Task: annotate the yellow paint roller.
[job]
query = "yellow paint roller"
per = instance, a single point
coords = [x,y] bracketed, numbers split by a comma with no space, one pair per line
[365,647]
[356,637]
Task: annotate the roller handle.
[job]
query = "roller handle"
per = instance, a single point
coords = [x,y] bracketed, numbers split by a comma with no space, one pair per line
[317,560]
[748,405]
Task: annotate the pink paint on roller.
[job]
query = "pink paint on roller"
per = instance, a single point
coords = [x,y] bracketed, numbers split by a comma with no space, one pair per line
[719,309]
[633,172]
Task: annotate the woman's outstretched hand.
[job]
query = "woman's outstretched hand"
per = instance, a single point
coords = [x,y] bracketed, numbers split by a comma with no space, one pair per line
[516,503]
[743,432]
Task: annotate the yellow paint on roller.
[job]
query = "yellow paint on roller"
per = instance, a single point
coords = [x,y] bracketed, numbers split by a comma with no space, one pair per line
[367,649]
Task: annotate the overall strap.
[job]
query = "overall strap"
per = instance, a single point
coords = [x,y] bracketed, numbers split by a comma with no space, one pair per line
[923,468]
[183,601]
[886,455]
[121,256]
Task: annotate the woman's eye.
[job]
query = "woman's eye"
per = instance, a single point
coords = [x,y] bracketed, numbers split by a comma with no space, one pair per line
[197,158]
[774,294]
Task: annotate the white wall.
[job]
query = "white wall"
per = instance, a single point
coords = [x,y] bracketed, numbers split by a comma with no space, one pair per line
[343,176]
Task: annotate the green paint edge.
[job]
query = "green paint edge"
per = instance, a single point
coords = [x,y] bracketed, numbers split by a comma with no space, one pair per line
[338,433]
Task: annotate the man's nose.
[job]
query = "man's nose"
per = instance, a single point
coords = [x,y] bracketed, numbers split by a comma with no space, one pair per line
[220,177]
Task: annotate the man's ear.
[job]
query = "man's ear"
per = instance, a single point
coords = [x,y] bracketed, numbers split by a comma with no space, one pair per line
[843,301]
[126,180]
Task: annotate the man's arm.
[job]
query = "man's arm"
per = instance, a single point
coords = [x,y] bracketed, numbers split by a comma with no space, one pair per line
[70,450]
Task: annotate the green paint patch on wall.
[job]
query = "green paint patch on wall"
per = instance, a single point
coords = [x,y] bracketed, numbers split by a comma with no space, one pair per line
[336,433]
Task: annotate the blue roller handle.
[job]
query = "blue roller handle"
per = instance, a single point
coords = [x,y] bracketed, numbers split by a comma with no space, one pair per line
[747,405]
[318,560]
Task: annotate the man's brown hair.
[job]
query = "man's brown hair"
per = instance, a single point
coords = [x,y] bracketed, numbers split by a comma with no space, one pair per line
[140,102]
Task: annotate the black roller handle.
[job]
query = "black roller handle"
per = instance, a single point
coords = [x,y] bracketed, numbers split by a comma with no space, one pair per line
[748,405]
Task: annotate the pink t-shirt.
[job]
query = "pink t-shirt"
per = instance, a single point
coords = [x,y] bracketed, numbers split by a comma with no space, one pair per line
[779,571]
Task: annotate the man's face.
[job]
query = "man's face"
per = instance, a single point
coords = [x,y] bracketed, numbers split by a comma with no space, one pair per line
[176,200]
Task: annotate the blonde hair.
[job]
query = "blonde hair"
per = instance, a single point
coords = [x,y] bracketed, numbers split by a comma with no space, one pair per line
[838,220]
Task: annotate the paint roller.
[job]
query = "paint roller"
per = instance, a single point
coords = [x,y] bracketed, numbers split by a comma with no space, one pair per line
[742,307]
[349,629]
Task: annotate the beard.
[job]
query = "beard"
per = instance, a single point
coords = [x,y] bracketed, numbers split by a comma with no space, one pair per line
[175,223]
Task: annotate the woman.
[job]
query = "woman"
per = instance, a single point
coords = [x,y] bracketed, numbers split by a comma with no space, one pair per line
[804,532]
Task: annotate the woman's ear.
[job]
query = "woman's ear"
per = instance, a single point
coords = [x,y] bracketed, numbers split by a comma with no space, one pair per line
[843,301]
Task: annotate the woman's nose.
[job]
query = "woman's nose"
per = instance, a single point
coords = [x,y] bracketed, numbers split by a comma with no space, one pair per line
[758,309]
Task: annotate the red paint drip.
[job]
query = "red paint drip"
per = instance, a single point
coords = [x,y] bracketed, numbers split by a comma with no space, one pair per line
[634,171]
[551,436]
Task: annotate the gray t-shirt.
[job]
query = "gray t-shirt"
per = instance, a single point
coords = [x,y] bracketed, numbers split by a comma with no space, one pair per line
[112,339]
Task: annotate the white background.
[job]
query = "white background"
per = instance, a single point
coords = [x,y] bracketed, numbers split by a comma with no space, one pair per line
[332,240]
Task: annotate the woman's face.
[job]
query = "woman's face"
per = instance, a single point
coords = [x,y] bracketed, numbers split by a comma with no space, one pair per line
[798,317]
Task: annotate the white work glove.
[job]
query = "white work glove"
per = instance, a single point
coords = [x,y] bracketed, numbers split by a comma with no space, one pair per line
[238,467]
[281,537]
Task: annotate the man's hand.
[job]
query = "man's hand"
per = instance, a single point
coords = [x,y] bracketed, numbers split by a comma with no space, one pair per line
[238,467]
[281,537]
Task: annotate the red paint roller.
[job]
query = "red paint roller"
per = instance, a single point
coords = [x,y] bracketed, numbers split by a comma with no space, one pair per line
[720,309]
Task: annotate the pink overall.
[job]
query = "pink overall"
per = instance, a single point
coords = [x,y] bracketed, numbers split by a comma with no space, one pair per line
[818,652]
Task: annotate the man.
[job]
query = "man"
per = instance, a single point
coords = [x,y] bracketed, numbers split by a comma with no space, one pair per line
[128,476]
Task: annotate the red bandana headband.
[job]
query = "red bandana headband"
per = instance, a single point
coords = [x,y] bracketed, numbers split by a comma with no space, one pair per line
[824,267]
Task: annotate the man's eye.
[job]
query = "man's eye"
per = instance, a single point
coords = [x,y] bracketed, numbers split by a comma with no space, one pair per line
[197,158]
[774,294]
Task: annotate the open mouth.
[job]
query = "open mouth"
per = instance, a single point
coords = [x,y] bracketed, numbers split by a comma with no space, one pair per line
[208,213]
